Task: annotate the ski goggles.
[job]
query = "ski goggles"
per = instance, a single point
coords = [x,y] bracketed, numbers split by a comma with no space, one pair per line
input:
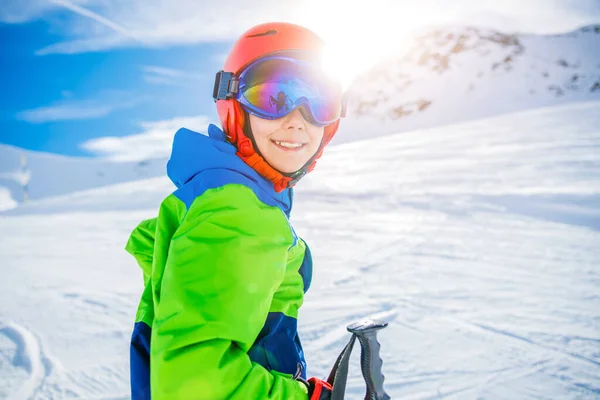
[274,86]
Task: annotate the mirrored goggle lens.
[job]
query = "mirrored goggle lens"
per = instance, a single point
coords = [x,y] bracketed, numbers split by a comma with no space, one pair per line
[276,86]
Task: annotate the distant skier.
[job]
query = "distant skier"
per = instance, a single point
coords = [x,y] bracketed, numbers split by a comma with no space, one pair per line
[224,272]
[282,102]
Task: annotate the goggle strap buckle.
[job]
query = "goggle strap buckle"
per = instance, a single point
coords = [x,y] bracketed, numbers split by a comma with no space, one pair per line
[297,176]
[226,86]
[344,105]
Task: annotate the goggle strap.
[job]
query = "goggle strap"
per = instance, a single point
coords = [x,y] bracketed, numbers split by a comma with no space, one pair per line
[226,86]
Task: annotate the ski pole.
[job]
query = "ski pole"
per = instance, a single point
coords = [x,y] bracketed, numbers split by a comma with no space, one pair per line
[370,361]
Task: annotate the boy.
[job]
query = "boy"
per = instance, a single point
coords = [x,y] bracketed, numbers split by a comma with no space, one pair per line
[224,271]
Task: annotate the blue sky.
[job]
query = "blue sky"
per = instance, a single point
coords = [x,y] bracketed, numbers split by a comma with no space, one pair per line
[117,78]
[57,102]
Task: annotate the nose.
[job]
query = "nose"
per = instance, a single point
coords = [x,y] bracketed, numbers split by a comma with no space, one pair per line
[294,120]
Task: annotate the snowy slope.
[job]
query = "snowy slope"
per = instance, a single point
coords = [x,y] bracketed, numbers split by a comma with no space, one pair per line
[49,174]
[478,242]
[456,74]
[448,75]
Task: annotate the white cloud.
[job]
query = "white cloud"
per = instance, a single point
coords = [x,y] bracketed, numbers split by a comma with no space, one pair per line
[154,141]
[114,23]
[532,16]
[84,12]
[19,11]
[86,45]
[97,25]
[77,110]
[168,76]
[6,200]
[64,112]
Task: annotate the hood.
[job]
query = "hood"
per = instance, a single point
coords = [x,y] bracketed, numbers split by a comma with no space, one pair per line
[193,153]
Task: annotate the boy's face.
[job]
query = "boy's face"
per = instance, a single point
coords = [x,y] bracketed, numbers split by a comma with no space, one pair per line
[286,143]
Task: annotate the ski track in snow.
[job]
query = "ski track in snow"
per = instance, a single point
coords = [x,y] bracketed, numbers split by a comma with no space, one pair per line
[496,331]
[478,243]
[29,356]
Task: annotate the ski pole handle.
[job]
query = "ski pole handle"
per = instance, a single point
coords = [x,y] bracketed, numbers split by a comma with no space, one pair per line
[370,360]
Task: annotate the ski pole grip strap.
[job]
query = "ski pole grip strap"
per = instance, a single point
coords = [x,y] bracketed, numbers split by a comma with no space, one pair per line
[339,373]
[370,360]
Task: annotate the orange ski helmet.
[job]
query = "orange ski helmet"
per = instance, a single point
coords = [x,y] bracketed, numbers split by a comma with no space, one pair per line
[258,42]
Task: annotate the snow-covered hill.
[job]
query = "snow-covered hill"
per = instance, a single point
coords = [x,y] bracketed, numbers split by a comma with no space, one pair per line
[46,175]
[457,74]
[478,242]
[448,75]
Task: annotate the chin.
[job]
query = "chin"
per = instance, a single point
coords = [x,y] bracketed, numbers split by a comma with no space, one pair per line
[287,169]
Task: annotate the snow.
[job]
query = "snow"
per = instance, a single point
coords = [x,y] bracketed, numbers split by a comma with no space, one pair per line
[455,74]
[478,242]
[49,175]
[442,76]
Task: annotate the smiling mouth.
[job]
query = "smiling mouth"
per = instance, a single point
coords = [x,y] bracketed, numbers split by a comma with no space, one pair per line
[288,146]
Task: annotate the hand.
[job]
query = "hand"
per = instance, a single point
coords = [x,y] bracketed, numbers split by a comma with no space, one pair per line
[318,389]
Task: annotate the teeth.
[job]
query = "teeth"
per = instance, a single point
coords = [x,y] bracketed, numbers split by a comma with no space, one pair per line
[288,145]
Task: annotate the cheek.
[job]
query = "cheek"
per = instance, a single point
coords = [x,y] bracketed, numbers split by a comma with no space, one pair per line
[261,128]
[316,135]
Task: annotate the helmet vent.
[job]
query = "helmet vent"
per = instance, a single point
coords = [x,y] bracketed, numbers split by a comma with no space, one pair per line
[270,32]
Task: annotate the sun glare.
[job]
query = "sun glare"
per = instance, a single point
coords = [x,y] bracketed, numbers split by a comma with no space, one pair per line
[343,61]
[359,34]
